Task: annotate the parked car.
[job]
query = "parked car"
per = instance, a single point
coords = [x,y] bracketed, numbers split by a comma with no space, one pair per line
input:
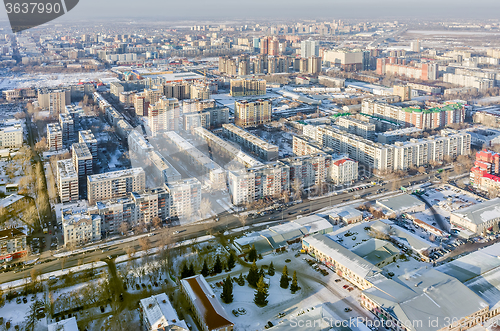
[347,309]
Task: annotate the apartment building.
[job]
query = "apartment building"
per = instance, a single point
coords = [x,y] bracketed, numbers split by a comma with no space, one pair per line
[67,127]
[304,145]
[11,135]
[390,137]
[480,83]
[152,203]
[252,184]
[225,149]
[403,91]
[114,212]
[360,128]
[87,137]
[485,175]
[199,162]
[199,91]
[374,155]
[12,244]
[80,228]
[164,116]
[162,171]
[54,137]
[421,71]
[343,171]
[185,197]
[195,120]
[419,152]
[54,100]
[115,184]
[250,142]
[308,170]
[138,144]
[197,105]
[244,87]
[428,118]
[252,113]
[67,181]
[179,91]
[82,161]
[227,65]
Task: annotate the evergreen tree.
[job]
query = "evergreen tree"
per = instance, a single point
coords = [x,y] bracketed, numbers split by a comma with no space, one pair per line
[217,265]
[227,290]
[241,280]
[184,271]
[294,287]
[271,269]
[253,275]
[284,278]
[252,254]
[231,261]
[262,272]
[191,270]
[204,270]
[261,294]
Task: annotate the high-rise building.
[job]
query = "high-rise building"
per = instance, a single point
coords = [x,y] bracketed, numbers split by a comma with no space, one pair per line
[179,91]
[82,160]
[251,143]
[138,144]
[243,65]
[164,116]
[242,87]
[185,197]
[162,171]
[67,181]
[11,134]
[54,137]
[314,65]
[403,91]
[227,65]
[415,46]
[309,48]
[68,128]
[252,113]
[54,100]
[87,137]
[115,184]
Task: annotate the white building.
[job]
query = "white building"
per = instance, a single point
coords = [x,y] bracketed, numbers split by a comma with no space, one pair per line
[138,144]
[88,138]
[185,196]
[11,134]
[163,171]
[68,324]
[158,314]
[67,181]
[115,184]
[80,228]
[344,171]
[164,116]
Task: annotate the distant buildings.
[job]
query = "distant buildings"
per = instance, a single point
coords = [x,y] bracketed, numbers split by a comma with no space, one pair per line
[309,48]
[403,91]
[243,87]
[421,71]
[206,307]
[115,184]
[431,118]
[346,59]
[163,171]
[252,113]
[164,116]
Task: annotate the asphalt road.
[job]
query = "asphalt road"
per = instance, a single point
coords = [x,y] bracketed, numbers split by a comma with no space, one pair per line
[190,231]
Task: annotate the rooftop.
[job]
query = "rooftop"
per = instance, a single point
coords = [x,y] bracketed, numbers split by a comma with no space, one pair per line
[163,165]
[87,136]
[81,151]
[400,202]
[11,233]
[116,174]
[64,325]
[205,301]
[159,312]
[250,137]
[11,199]
[482,212]
[66,169]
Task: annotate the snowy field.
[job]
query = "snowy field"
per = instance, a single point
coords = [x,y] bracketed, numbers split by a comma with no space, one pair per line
[50,80]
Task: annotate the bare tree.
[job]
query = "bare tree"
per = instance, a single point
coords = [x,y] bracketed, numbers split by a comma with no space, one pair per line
[145,244]
[421,170]
[243,219]
[205,207]
[156,222]
[123,228]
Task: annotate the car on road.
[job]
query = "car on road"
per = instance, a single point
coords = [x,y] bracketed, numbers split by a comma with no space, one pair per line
[338,280]
[347,309]
[345,286]
[175,232]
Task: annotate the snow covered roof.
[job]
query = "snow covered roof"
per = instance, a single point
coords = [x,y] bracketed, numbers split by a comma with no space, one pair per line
[403,236]
[481,212]
[159,312]
[64,325]
[342,255]
[425,295]
[400,203]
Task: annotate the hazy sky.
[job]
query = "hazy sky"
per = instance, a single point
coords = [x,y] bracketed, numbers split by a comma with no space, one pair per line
[225,9]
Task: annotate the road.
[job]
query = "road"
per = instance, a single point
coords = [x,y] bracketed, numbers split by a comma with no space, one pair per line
[190,231]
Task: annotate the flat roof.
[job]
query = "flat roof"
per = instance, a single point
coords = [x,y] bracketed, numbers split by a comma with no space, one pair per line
[160,313]
[400,202]
[66,169]
[116,174]
[163,165]
[345,257]
[87,136]
[9,200]
[257,141]
[480,213]
[68,324]
[81,150]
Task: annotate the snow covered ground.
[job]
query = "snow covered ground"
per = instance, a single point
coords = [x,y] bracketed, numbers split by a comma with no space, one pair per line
[50,80]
